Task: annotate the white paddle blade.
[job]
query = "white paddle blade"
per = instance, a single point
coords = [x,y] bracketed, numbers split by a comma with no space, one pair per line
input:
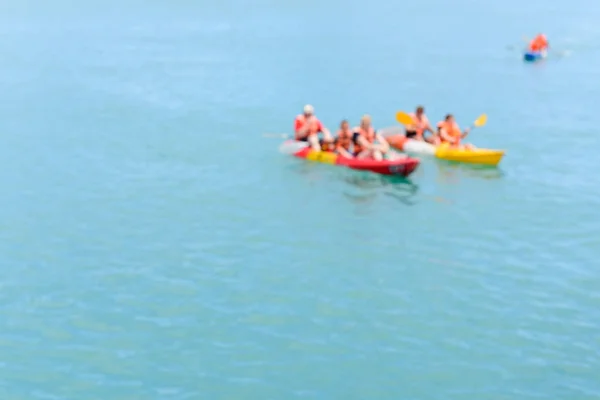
[276,135]
[292,146]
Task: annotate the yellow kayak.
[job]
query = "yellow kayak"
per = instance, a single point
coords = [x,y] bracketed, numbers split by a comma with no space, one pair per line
[443,152]
[473,156]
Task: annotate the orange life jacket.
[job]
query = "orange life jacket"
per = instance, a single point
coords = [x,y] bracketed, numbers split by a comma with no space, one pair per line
[368,134]
[344,139]
[452,129]
[539,43]
[327,146]
[420,124]
[300,122]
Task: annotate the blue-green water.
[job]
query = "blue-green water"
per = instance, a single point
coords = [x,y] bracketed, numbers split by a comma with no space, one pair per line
[154,244]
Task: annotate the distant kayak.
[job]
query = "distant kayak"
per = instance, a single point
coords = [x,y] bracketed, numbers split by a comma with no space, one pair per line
[532,56]
[474,156]
[402,166]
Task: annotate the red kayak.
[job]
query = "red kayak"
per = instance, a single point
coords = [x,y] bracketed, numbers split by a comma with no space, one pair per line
[401,167]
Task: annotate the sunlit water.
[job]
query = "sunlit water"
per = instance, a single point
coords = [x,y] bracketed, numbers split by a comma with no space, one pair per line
[154,244]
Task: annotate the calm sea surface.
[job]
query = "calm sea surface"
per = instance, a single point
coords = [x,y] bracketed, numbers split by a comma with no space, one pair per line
[154,244]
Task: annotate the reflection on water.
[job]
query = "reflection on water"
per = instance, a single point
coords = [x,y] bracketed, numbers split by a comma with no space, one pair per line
[312,170]
[452,172]
[370,185]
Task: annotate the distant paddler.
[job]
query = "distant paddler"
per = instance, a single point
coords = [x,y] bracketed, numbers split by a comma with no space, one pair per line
[538,44]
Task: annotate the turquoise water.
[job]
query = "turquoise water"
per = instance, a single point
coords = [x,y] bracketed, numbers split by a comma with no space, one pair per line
[154,244]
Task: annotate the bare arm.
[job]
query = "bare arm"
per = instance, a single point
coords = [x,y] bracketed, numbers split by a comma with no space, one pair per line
[364,143]
[447,138]
[302,131]
[384,143]
[344,152]
[380,138]
[428,128]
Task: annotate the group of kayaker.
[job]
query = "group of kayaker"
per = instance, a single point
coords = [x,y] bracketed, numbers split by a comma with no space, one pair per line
[447,131]
[360,142]
[364,141]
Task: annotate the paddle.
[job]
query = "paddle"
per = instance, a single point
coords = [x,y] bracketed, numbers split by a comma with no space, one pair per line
[276,135]
[289,146]
[404,118]
[525,40]
[479,122]
[292,146]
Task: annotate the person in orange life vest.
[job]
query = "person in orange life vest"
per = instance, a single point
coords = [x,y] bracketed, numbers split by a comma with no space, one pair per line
[328,146]
[344,140]
[539,43]
[307,128]
[421,125]
[449,132]
[364,141]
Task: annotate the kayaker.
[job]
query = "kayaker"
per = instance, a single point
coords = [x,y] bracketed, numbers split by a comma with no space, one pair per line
[307,127]
[329,146]
[538,43]
[449,133]
[344,140]
[364,139]
[421,125]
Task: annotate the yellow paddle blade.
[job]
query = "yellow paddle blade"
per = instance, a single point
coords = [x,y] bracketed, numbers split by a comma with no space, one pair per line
[480,121]
[404,118]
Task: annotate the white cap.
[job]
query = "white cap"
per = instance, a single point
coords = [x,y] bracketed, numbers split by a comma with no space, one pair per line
[308,109]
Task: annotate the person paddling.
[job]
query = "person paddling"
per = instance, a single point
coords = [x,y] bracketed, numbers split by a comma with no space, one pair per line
[449,133]
[420,126]
[364,139]
[307,128]
[538,43]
